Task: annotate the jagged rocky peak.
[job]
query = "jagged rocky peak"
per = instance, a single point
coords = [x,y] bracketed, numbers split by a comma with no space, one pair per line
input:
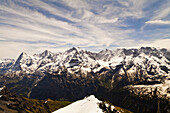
[164,50]
[150,51]
[75,53]
[23,54]
[119,52]
[147,49]
[106,51]
[129,52]
[26,63]
[21,59]
[104,55]
[74,57]
[46,54]
[76,49]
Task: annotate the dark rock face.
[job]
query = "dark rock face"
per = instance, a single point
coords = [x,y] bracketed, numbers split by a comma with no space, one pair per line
[64,88]
[164,68]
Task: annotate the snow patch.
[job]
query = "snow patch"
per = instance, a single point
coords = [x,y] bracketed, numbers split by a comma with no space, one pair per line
[148,89]
[2,88]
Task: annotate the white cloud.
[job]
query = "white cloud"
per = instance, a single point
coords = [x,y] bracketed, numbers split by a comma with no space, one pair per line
[102,20]
[78,4]
[161,14]
[160,43]
[158,22]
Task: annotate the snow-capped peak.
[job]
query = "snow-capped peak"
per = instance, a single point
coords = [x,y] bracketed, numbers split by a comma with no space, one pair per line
[76,49]
[45,53]
[87,105]
[22,59]
[77,59]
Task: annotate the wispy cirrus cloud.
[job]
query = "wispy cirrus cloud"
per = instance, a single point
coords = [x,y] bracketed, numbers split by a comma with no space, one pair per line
[34,25]
[162,12]
[158,22]
[161,16]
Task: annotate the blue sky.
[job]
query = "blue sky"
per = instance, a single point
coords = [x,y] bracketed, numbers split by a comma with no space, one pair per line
[36,25]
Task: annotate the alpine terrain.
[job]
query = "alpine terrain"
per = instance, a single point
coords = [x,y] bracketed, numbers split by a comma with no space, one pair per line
[136,79]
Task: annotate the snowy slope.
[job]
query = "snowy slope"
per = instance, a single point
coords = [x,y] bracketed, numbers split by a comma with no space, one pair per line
[86,105]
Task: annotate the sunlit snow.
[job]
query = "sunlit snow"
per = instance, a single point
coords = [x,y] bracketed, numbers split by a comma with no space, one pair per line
[86,105]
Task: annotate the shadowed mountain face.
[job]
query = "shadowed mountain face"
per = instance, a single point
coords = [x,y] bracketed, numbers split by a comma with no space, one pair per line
[11,103]
[126,77]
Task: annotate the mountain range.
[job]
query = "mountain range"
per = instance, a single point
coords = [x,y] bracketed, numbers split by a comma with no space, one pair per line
[125,77]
